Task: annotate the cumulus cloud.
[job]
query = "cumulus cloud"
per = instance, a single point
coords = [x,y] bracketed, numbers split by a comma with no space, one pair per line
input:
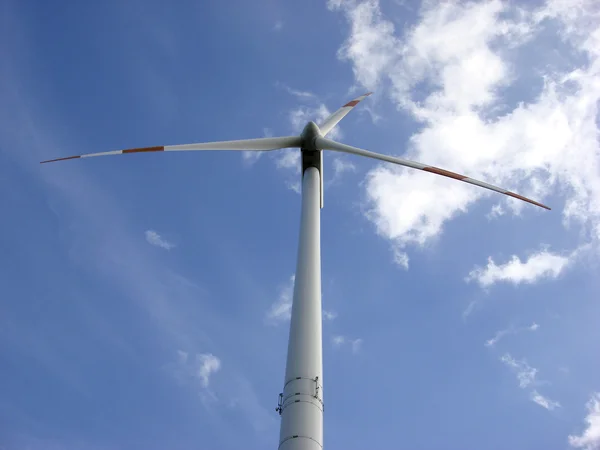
[281,310]
[537,267]
[450,72]
[371,46]
[156,239]
[589,439]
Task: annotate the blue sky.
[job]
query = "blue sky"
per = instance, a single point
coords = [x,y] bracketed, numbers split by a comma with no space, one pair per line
[144,298]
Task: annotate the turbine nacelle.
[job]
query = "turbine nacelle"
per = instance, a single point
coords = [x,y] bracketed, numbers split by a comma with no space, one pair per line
[311,155]
[309,135]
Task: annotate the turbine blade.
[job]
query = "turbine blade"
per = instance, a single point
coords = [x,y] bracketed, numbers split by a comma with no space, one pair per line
[327,144]
[262,144]
[333,119]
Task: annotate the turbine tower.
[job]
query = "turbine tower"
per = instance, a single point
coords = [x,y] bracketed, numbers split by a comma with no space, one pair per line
[301,402]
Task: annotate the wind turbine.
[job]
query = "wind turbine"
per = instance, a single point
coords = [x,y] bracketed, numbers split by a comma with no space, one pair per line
[301,402]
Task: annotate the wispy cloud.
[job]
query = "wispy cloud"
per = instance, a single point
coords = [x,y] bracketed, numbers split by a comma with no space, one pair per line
[495,212]
[400,257]
[544,402]
[511,330]
[289,159]
[341,166]
[251,156]
[537,267]
[157,240]
[356,345]
[329,315]
[104,241]
[589,439]
[526,376]
[299,94]
[340,341]
[524,372]
[208,364]
[201,368]
[301,115]
[312,110]
[281,310]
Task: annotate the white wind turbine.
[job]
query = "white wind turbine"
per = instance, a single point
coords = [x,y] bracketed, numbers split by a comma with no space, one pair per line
[301,402]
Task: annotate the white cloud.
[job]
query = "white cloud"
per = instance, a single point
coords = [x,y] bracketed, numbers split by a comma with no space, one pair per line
[292,158]
[499,335]
[251,156]
[538,266]
[341,166]
[511,330]
[371,46]
[155,239]
[294,186]
[281,310]
[202,368]
[544,402]
[299,94]
[298,117]
[355,344]
[338,341]
[495,212]
[301,115]
[448,72]
[278,26]
[289,159]
[524,372]
[526,376]
[400,257]
[589,439]
[329,315]
[207,365]
[182,356]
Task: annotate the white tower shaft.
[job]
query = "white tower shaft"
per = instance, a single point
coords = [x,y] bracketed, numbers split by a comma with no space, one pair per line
[301,403]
